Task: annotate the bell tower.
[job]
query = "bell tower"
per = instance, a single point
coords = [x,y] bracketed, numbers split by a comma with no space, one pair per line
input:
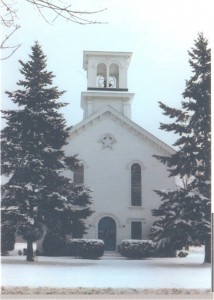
[107,76]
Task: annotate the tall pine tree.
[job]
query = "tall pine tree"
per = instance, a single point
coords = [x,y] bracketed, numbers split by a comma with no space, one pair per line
[37,194]
[174,227]
[193,158]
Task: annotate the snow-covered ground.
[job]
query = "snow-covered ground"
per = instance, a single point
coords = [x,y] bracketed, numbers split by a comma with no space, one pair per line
[107,272]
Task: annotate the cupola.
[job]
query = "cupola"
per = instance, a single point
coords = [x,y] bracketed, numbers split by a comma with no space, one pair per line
[107,82]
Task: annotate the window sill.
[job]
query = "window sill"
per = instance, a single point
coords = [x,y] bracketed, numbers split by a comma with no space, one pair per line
[78,184]
[138,207]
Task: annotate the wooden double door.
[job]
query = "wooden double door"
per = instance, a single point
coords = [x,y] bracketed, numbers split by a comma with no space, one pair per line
[107,233]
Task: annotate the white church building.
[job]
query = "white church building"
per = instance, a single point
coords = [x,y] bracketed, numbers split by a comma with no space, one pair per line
[116,154]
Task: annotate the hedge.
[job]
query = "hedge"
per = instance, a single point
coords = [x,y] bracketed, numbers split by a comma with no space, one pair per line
[85,248]
[137,248]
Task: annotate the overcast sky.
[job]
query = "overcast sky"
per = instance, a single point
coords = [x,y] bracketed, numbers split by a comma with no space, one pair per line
[158,32]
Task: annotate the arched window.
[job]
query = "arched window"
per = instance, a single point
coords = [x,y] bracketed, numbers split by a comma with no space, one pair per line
[136,185]
[114,76]
[101,76]
[107,76]
[78,177]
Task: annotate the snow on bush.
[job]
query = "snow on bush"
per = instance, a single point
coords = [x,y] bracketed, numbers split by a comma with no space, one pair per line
[137,248]
[85,248]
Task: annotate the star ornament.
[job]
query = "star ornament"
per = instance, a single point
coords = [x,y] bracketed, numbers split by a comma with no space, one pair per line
[107,140]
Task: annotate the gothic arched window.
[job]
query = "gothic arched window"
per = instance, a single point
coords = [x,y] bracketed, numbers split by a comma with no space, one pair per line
[136,185]
[78,177]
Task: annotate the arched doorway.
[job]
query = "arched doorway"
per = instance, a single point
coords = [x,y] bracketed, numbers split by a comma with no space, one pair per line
[107,233]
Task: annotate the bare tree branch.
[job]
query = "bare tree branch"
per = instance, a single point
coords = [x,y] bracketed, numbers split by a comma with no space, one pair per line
[11,49]
[8,13]
[63,10]
[58,8]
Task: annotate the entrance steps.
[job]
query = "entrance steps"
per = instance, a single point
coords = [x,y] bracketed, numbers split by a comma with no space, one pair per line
[112,255]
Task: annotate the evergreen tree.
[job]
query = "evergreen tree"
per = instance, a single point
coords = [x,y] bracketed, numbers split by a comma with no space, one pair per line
[175,224]
[37,193]
[7,238]
[193,158]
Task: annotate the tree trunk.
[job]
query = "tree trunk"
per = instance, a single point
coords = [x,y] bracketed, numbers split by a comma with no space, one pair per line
[29,250]
[207,258]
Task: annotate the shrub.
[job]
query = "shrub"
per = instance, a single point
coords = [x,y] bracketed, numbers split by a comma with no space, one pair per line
[136,248]
[85,248]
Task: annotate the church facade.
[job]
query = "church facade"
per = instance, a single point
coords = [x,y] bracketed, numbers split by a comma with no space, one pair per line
[116,154]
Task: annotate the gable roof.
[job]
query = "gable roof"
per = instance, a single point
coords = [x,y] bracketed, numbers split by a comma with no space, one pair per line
[125,122]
